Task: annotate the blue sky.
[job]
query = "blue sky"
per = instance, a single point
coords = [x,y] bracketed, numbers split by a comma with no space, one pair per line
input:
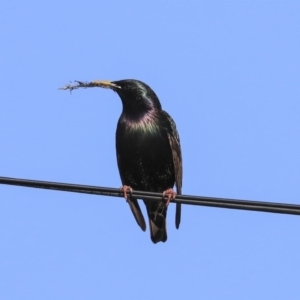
[228,73]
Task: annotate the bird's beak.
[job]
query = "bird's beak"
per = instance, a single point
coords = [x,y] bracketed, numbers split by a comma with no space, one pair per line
[106,84]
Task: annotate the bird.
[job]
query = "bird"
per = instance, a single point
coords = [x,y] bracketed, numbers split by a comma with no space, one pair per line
[148,153]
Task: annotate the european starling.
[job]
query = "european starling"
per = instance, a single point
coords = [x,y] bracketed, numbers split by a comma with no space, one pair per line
[148,153]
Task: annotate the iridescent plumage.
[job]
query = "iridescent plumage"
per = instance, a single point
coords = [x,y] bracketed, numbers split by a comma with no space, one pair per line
[148,152]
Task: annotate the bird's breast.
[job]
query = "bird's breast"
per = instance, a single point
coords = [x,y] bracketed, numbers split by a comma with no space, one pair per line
[144,155]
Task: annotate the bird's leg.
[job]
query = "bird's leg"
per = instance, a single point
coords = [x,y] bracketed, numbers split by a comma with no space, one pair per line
[171,195]
[126,189]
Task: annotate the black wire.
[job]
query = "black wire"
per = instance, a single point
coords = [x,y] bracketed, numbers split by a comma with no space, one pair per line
[272,207]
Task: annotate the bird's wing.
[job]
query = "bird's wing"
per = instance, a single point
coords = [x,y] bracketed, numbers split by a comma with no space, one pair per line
[137,213]
[177,160]
[133,203]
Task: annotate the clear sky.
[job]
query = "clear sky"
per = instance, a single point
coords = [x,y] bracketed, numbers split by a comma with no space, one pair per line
[227,71]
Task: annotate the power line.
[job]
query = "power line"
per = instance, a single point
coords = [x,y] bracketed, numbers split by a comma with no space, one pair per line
[272,207]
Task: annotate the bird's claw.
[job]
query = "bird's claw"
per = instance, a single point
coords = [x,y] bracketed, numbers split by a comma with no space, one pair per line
[126,189]
[170,194]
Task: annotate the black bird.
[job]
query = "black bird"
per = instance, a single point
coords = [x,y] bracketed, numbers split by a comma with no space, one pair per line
[148,153]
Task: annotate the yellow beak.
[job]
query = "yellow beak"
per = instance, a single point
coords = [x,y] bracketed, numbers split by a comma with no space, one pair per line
[105,84]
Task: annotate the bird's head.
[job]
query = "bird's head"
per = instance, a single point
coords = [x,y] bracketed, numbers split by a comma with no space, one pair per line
[136,96]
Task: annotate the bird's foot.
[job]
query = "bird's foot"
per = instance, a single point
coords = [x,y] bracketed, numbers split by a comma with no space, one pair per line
[126,189]
[170,194]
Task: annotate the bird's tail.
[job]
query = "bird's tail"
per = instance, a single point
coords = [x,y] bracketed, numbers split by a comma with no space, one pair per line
[157,212]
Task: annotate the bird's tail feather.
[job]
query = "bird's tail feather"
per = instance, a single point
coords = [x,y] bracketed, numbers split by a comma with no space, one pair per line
[137,213]
[157,212]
